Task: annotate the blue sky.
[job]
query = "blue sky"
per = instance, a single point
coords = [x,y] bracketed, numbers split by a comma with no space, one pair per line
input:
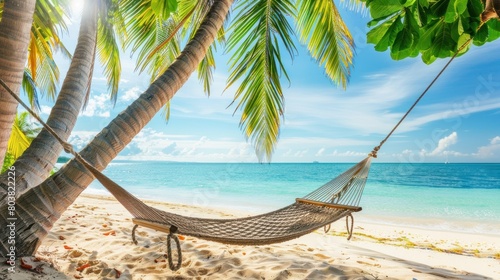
[457,121]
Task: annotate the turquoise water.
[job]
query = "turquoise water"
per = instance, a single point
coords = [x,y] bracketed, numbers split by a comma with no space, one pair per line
[459,197]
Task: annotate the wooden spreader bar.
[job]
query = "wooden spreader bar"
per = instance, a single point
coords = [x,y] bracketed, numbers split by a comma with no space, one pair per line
[331,205]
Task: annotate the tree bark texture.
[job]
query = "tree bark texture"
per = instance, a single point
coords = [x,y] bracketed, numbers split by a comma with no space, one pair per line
[15,30]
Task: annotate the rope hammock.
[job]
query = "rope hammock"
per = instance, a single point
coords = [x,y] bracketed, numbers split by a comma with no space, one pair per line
[334,200]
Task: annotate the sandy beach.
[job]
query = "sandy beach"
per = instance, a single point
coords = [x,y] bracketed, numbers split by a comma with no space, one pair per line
[92,240]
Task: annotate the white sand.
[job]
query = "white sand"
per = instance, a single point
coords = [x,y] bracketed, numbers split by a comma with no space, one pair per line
[97,234]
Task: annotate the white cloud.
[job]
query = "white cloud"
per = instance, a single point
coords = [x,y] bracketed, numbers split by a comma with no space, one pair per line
[308,149]
[375,76]
[491,151]
[300,153]
[320,152]
[324,142]
[98,105]
[150,144]
[80,139]
[444,143]
[445,111]
[131,94]
[441,152]
[45,110]
[349,154]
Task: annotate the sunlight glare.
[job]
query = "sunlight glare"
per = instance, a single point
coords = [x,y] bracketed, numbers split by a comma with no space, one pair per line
[77,6]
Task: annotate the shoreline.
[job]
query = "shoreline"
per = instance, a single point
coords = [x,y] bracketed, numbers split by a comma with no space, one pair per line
[92,241]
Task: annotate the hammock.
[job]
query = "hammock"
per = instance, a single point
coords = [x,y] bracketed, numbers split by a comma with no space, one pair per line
[334,200]
[307,214]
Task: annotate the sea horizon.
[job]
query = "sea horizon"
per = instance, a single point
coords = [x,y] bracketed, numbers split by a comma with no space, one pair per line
[63,160]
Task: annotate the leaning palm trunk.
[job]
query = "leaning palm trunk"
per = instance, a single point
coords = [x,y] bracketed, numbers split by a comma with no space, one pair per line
[37,161]
[15,28]
[41,206]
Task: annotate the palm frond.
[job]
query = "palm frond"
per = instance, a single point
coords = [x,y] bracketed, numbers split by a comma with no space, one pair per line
[355,5]
[29,129]
[165,48]
[43,67]
[151,36]
[205,70]
[157,41]
[48,22]
[21,136]
[30,88]
[147,35]
[259,30]
[322,29]
[166,111]
[207,65]
[48,77]
[18,142]
[1,9]
[107,45]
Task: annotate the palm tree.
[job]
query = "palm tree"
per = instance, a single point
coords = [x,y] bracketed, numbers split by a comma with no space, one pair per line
[41,74]
[15,28]
[43,205]
[36,163]
[96,35]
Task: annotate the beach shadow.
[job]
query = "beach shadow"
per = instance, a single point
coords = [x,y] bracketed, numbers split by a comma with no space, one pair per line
[421,270]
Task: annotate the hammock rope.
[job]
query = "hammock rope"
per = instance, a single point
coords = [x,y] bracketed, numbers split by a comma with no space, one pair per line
[375,150]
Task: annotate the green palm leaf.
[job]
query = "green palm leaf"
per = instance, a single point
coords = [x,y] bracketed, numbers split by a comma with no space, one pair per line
[42,65]
[42,74]
[199,11]
[48,22]
[157,40]
[145,32]
[107,45]
[259,30]
[30,88]
[18,142]
[321,28]
[152,35]
[23,132]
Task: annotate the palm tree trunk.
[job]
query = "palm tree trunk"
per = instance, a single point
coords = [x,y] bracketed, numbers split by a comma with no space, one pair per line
[15,28]
[40,207]
[37,161]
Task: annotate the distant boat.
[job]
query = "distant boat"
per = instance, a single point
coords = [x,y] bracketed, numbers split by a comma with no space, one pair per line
[315,161]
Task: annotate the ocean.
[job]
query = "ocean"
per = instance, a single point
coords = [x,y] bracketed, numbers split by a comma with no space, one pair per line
[463,197]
